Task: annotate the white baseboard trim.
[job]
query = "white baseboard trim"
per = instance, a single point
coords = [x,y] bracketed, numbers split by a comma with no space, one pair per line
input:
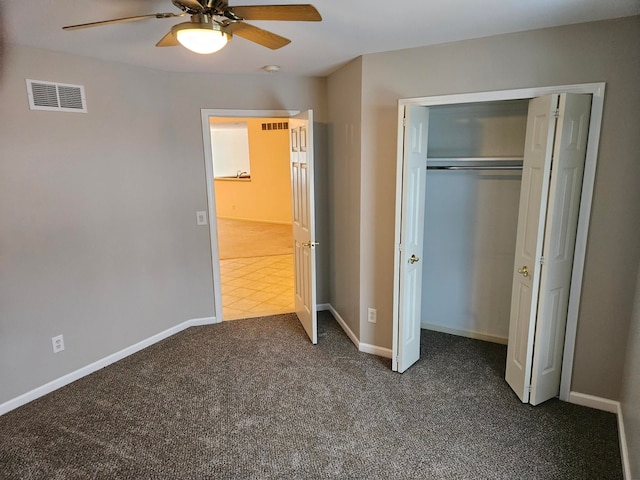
[375,350]
[592,401]
[343,324]
[362,347]
[465,333]
[98,364]
[624,449]
[610,406]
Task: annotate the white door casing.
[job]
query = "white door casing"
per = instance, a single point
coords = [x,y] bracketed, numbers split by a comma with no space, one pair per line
[562,220]
[412,235]
[304,244]
[529,241]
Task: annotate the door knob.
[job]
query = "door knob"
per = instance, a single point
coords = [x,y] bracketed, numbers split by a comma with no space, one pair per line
[524,271]
[413,259]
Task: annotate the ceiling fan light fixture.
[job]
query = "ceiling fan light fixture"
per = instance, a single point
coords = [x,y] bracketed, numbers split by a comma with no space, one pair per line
[203,38]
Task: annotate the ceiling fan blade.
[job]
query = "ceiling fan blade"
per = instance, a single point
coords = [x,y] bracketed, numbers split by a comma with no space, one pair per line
[169,40]
[122,20]
[258,35]
[300,13]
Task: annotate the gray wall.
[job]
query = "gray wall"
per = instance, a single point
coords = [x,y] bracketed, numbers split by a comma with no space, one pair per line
[630,398]
[98,239]
[601,51]
[344,90]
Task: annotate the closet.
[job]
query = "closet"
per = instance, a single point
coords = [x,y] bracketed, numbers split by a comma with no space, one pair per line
[488,216]
[474,171]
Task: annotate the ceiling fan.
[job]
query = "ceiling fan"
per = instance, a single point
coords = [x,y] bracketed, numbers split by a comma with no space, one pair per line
[214,22]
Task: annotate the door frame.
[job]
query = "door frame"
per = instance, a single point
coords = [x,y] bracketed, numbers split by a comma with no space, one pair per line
[205,114]
[597,90]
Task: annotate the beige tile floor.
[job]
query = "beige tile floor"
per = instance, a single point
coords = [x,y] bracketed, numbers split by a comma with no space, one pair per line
[256,286]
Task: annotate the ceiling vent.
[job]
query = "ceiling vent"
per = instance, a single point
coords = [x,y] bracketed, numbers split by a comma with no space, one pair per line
[60,97]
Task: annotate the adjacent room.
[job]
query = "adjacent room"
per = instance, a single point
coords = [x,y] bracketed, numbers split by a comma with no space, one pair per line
[253,215]
[123,247]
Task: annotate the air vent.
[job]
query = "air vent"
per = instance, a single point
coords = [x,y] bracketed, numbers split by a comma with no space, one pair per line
[60,97]
[275,126]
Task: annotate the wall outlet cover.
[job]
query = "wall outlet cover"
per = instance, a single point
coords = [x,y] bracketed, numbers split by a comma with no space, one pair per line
[58,343]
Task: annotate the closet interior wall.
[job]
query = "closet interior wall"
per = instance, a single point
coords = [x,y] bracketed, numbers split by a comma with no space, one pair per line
[471,218]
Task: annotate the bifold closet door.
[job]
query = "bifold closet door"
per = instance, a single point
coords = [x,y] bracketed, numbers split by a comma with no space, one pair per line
[554,156]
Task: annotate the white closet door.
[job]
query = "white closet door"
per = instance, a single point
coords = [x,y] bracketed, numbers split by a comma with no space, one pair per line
[304,244]
[559,244]
[411,237]
[531,219]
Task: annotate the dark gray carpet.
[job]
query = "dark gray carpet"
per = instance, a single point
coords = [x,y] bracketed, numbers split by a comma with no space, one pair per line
[253,399]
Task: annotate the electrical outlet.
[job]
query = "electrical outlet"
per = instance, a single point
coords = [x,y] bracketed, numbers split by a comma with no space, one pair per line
[201,218]
[372,317]
[58,343]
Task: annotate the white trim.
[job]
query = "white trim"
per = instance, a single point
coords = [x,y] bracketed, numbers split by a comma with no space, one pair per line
[362,347]
[97,365]
[597,91]
[352,336]
[611,406]
[624,449]
[375,350]
[592,401]
[205,113]
[465,333]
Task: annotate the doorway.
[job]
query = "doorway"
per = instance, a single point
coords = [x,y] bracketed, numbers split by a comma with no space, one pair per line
[406,310]
[301,147]
[253,215]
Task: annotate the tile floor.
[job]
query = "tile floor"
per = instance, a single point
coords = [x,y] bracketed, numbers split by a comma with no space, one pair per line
[257,286]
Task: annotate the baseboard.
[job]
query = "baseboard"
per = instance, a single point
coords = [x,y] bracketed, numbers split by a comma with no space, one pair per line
[465,333]
[375,350]
[624,449]
[362,347]
[610,406]
[343,324]
[274,222]
[97,365]
[592,401]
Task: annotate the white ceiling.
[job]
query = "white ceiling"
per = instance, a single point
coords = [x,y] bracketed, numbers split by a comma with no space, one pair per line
[349,28]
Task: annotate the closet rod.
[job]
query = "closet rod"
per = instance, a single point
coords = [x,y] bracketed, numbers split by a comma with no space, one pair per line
[476,159]
[471,167]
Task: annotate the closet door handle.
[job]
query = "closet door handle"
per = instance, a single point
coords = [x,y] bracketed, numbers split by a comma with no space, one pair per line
[524,271]
[413,259]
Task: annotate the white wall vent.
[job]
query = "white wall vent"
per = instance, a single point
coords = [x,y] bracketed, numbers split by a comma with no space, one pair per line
[60,97]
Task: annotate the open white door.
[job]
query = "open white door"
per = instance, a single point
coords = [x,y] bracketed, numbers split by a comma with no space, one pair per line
[562,222]
[531,218]
[304,244]
[412,235]
[547,224]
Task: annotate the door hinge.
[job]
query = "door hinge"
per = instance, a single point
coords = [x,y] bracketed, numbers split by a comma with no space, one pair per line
[556,113]
[541,260]
[528,389]
[404,121]
[400,247]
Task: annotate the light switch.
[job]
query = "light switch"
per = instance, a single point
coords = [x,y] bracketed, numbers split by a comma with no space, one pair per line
[201,218]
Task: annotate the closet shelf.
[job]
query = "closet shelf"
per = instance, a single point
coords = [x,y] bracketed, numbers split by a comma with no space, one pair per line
[474,163]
